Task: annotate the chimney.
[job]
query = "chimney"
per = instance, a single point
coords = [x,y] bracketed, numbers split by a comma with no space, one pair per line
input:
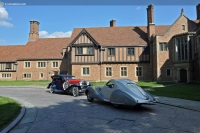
[150,14]
[150,21]
[113,23]
[34,30]
[198,11]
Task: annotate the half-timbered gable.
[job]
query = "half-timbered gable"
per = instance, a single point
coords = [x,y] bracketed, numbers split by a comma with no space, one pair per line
[84,49]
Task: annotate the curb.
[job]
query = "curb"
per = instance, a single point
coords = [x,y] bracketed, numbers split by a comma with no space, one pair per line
[178,106]
[17,120]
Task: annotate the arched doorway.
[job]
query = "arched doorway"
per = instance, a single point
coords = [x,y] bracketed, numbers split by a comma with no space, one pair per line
[183,75]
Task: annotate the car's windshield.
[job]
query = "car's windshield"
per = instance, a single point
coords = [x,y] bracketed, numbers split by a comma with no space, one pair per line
[69,77]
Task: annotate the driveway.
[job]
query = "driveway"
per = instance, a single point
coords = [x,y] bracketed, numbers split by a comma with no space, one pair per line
[58,113]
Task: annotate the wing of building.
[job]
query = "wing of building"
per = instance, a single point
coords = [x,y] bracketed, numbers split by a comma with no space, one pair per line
[164,53]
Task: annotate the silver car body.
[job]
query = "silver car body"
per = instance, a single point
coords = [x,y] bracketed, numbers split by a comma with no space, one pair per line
[120,92]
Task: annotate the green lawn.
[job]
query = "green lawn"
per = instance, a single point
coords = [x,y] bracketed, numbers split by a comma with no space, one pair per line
[9,110]
[142,84]
[183,91]
[24,83]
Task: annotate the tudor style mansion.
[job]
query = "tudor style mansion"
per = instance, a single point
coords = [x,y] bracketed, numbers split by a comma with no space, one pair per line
[162,53]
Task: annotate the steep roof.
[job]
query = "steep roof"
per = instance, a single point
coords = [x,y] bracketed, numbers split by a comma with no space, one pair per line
[161,29]
[120,36]
[10,53]
[43,48]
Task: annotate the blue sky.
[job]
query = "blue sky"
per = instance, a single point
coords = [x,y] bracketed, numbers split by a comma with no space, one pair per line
[59,21]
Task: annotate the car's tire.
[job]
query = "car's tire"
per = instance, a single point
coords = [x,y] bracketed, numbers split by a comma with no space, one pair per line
[51,90]
[75,91]
[65,85]
[89,98]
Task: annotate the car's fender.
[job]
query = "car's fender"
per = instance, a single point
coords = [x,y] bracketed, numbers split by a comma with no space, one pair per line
[122,98]
[94,93]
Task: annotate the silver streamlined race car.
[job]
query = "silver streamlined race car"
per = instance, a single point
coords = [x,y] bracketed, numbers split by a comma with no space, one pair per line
[120,92]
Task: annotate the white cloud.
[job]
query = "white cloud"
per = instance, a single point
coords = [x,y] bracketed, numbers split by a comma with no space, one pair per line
[5,23]
[45,34]
[3,13]
[138,7]
[4,17]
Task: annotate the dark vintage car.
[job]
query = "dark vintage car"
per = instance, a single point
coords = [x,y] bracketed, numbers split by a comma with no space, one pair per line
[120,92]
[67,83]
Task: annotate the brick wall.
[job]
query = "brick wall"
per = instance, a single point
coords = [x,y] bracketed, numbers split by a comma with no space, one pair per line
[95,72]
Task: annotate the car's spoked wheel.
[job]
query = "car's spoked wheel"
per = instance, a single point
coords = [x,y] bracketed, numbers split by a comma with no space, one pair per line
[89,98]
[75,92]
[51,90]
[65,85]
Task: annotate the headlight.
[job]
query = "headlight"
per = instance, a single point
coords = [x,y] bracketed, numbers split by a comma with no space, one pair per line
[88,83]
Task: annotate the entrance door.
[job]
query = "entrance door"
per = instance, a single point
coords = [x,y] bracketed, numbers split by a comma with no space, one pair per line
[183,75]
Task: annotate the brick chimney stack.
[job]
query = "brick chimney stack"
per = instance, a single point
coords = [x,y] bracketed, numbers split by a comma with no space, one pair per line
[150,21]
[198,11]
[113,23]
[34,30]
[150,14]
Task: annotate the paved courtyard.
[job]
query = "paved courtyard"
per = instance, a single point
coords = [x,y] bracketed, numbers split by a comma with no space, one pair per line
[58,113]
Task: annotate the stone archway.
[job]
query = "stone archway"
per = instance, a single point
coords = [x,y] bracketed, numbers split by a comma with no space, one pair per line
[183,76]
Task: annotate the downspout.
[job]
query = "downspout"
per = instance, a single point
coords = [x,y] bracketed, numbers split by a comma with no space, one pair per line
[101,50]
[16,70]
[100,63]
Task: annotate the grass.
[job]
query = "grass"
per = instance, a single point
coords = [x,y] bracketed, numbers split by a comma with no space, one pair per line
[43,83]
[9,110]
[183,91]
[141,84]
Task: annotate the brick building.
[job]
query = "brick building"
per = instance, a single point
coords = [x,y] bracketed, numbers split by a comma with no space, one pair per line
[164,53]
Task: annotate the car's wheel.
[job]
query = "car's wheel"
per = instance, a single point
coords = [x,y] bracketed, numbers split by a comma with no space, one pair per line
[89,98]
[51,90]
[65,85]
[75,92]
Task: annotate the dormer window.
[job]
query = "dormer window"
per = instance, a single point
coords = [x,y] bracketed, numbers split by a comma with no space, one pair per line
[84,50]
[183,27]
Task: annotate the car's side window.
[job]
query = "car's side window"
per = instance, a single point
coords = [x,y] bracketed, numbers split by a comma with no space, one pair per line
[110,84]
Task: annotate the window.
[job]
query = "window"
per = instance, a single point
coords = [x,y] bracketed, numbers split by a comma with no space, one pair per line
[183,27]
[27,64]
[55,64]
[108,71]
[8,65]
[138,71]
[183,49]
[123,71]
[41,75]
[168,72]
[27,75]
[79,50]
[6,75]
[86,71]
[111,51]
[130,51]
[163,46]
[41,64]
[84,50]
